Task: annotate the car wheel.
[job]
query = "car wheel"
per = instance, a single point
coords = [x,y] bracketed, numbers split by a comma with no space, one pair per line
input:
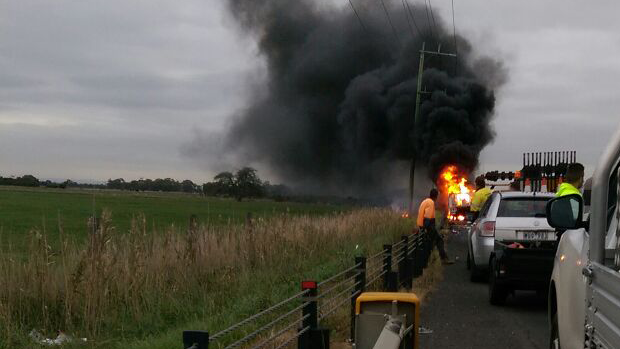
[497,292]
[554,339]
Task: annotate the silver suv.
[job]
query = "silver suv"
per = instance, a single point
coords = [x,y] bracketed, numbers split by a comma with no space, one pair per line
[511,218]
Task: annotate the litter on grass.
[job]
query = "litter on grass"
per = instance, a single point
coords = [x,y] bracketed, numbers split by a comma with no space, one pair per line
[61,339]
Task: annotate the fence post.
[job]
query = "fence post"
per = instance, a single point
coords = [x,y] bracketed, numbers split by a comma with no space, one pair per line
[404,274]
[410,262]
[389,277]
[359,287]
[313,337]
[418,255]
[195,340]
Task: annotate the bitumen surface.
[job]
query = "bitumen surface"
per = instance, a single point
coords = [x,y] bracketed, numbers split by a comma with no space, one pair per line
[460,315]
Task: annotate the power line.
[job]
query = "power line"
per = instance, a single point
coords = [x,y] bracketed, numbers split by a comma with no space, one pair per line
[387,14]
[428,19]
[408,20]
[357,15]
[410,14]
[432,14]
[456,51]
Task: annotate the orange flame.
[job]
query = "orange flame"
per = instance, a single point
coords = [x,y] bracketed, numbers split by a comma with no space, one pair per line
[455,184]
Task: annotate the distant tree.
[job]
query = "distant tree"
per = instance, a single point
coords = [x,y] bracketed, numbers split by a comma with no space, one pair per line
[188,186]
[211,189]
[223,185]
[118,184]
[68,184]
[27,181]
[247,184]
[226,179]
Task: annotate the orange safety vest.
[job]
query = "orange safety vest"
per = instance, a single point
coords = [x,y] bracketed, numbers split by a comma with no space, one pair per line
[427,210]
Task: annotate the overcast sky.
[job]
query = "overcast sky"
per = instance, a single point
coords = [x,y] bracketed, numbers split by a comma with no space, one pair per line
[92,90]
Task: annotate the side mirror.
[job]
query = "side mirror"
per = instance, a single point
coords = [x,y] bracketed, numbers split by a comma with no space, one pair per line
[565,212]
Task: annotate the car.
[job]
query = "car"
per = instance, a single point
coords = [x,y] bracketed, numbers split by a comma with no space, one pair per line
[584,292]
[506,218]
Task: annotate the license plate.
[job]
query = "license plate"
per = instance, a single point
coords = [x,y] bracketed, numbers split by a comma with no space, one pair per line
[536,235]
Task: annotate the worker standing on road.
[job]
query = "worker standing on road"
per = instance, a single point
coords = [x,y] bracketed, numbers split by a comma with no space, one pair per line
[573,180]
[480,196]
[426,222]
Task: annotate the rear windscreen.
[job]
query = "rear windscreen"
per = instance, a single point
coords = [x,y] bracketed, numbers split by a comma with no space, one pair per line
[522,207]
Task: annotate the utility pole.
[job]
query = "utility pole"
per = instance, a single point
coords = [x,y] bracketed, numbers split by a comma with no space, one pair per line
[418,101]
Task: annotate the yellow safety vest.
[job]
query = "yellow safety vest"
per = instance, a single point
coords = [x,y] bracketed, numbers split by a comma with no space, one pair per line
[567,189]
[480,197]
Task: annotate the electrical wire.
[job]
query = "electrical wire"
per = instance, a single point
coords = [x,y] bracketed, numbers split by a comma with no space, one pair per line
[428,19]
[430,5]
[387,14]
[456,50]
[406,2]
[357,15]
[408,19]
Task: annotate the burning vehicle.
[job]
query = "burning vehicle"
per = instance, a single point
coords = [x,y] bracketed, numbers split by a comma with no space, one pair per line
[457,195]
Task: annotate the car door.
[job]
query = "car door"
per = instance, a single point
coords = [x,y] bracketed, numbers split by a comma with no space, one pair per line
[474,232]
[603,291]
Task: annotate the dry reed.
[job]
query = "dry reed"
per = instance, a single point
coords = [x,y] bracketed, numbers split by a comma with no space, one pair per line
[131,284]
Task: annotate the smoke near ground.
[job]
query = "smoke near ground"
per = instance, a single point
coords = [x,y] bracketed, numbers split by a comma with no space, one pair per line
[336,112]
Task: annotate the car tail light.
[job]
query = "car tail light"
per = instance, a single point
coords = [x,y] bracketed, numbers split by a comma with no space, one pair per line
[487,229]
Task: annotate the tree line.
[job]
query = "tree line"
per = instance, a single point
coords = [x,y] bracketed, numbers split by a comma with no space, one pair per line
[244,183]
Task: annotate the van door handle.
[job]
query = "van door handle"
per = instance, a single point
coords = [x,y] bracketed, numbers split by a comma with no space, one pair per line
[587,272]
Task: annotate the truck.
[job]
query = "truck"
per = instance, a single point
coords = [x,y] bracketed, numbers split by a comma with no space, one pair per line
[459,216]
[584,290]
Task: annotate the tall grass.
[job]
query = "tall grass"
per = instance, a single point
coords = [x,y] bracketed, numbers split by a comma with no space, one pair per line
[119,288]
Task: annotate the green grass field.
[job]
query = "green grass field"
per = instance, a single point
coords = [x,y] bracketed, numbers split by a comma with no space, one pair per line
[22,209]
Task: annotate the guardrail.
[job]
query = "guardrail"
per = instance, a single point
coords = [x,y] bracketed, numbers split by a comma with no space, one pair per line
[302,316]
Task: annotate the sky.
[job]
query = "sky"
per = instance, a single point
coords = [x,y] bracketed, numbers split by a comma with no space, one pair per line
[93,89]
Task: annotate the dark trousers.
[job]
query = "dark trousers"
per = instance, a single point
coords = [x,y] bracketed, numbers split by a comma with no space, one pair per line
[436,239]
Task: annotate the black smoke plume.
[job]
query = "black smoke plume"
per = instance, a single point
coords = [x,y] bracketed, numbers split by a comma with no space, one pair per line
[336,112]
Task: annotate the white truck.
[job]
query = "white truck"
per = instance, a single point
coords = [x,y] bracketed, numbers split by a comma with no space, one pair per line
[584,292]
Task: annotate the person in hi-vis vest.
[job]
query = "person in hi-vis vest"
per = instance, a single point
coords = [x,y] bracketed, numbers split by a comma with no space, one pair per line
[426,222]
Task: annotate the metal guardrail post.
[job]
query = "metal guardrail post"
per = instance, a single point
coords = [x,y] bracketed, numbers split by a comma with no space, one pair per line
[404,274]
[195,340]
[359,287]
[418,256]
[310,311]
[389,277]
[312,337]
[409,262]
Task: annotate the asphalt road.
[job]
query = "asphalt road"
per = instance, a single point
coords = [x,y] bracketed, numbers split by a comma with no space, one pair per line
[460,315]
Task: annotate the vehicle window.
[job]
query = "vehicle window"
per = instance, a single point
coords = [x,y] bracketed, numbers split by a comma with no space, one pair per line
[523,207]
[485,208]
[612,196]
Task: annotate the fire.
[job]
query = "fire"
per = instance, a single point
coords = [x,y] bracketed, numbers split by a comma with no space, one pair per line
[455,184]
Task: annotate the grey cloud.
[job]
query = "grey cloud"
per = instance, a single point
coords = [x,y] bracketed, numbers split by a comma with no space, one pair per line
[143,75]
